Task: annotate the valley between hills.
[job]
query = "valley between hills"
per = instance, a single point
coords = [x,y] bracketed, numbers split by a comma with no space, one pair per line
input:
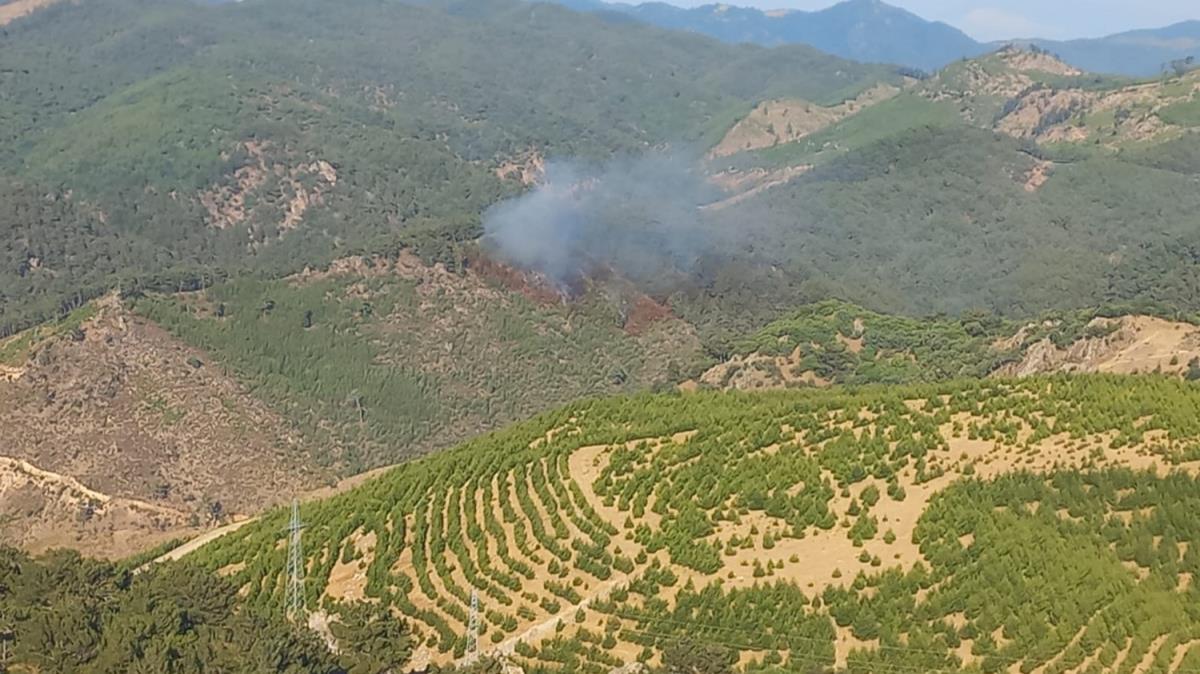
[582,345]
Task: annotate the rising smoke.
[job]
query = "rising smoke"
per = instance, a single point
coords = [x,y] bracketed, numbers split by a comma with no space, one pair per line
[636,216]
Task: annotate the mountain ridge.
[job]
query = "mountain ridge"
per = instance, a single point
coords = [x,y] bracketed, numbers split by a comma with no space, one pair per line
[858,29]
[1141,52]
[874,31]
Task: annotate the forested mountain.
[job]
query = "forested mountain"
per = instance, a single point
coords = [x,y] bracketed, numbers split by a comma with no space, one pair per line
[186,155]
[1138,52]
[380,360]
[200,172]
[336,236]
[873,31]
[177,143]
[864,30]
[1012,182]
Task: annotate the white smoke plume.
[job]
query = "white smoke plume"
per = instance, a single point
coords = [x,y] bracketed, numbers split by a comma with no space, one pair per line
[637,216]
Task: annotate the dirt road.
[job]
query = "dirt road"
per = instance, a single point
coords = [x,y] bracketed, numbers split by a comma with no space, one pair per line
[315,495]
[195,544]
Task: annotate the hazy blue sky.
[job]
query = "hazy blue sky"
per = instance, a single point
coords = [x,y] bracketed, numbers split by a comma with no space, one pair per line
[1001,19]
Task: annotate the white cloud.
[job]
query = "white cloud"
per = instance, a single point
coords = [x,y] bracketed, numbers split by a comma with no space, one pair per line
[989,23]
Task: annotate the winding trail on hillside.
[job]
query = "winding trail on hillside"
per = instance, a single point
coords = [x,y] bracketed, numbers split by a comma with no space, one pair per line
[546,627]
[200,541]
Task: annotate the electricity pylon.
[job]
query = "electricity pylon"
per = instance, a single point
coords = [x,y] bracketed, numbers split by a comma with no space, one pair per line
[294,600]
[473,628]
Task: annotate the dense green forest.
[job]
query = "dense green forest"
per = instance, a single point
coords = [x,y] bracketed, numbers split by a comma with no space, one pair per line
[204,160]
[65,613]
[936,219]
[995,184]
[508,516]
[162,146]
[179,142]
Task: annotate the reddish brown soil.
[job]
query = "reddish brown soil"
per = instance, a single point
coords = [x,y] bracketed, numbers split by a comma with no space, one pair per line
[644,313]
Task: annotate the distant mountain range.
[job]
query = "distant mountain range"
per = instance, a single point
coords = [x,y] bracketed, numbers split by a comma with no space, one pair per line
[873,31]
[1137,52]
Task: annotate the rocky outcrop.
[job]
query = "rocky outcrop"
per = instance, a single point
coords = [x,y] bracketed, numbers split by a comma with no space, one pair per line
[1131,345]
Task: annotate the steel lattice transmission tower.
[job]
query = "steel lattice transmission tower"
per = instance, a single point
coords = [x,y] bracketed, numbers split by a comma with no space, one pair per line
[473,628]
[294,600]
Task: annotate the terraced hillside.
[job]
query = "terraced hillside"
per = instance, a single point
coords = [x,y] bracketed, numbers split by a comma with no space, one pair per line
[321,366]
[1039,525]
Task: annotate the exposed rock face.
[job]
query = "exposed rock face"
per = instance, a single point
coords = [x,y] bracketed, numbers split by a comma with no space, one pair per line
[284,191]
[1125,345]
[1030,61]
[16,9]
[757,371]
[1136,344]
[318,622]
[527,168]
[788,120]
